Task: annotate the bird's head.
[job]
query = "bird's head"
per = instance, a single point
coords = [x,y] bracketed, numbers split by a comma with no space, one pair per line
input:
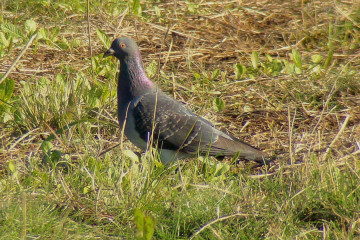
[123,47]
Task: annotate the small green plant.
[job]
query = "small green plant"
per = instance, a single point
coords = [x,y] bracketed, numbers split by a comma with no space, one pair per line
[6,93]
[136,8]
[240,71]
[218,104]
[193,7]
[296,57]
[30,27]
[50,37]
[145,225]
[271,66]
[104,39]
[9,36]
[151,69]
[255,61]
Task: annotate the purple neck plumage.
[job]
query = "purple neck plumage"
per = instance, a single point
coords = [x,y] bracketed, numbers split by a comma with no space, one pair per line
[133,81]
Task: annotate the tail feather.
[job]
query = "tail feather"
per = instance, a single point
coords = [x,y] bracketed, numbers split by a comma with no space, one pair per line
[231,147]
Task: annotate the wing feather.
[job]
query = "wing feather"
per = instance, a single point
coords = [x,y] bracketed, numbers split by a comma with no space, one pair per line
[175,127]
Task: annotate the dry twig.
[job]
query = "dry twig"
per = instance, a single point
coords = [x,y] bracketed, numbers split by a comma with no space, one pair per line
[18,58]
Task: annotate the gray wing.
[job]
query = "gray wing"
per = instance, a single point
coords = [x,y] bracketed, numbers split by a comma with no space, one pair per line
[173,126]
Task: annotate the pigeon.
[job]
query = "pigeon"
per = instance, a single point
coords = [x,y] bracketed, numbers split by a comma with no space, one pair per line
[149,117]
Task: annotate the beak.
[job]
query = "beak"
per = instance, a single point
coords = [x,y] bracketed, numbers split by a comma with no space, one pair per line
[109,52]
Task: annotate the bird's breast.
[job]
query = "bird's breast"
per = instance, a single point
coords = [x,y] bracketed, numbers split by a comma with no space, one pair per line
[126,118]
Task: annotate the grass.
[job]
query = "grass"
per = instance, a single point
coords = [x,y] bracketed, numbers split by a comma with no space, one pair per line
[280,75]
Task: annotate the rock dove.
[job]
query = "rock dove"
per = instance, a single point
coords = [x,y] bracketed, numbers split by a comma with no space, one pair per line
[151,117]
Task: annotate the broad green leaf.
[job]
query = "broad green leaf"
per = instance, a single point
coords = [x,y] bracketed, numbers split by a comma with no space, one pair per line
[221,169]
[54,33]
[105,93]
[316,69]
[4,41]
[197,76]
[6,90]
[192,7]
[218,104]
[91,162]
[139,222]
[215,73]
[298,70]
[46,146]
[255,59]
[288,68]
[130,154]
[157,11]
[316,58]
[13,30]
[151,69]
[105,40]
[149,227]
[276,67]
[240,70]
[86,189]
[248,108]
[75,43]
[19,116]
[145,225]
[41,34]
[30,26]
[12,166]
[56,155]
[269,58]
[328,59]
[64,44]
[46,3]
[9,88]
[296,57]
[136,8]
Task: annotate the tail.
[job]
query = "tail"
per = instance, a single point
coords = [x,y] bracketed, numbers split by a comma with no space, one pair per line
[235,147]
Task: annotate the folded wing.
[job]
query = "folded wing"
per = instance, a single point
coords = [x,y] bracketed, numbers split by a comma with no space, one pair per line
[171,125]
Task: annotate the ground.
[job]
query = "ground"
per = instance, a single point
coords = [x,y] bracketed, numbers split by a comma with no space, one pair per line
[280,75]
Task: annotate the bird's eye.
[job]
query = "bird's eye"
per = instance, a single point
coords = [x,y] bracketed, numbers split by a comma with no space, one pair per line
[122,45]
